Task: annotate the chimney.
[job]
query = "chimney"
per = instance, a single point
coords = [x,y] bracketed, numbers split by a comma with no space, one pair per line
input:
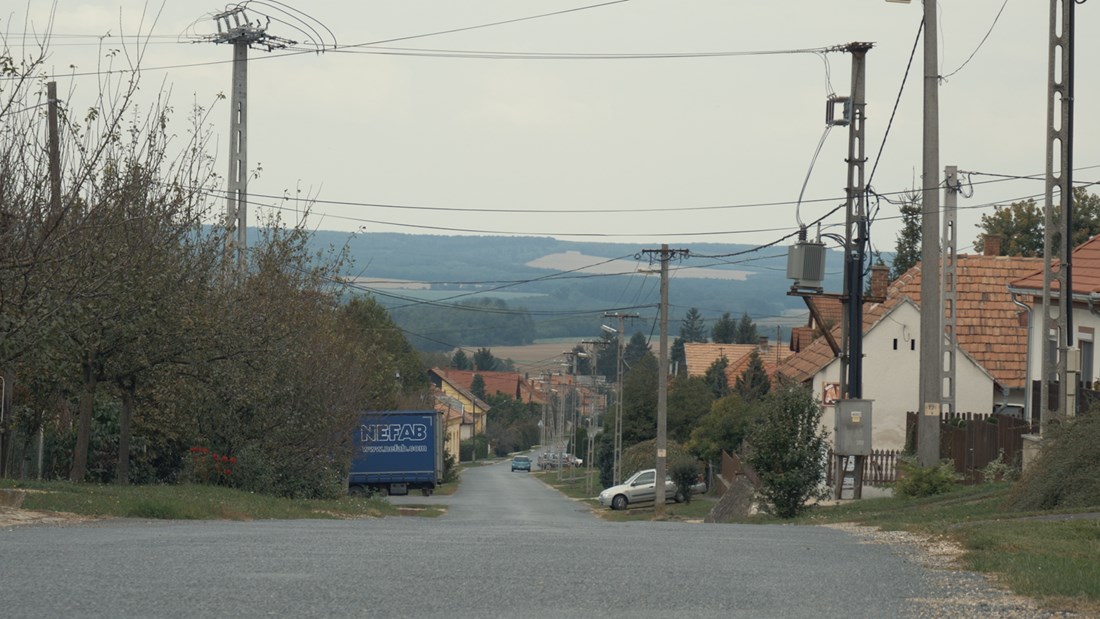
[991,245]
[880,280]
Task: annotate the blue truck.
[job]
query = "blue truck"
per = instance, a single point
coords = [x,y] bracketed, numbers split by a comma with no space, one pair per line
[397,451]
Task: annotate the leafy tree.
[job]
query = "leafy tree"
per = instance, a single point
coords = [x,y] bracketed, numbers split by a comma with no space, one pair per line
[607,356]
[788,449]
[583,361]
[678,357]
[753,383]
[484,361]
[746,331]
[605,458]
[460,361]
[723,428]
[693,327]
[636,349]
[1021,224]
[716,378]
[477,386]
[689,398]
[907,249]
[640,401]
[724,330]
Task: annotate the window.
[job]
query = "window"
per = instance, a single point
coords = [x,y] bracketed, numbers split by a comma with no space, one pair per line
[1086,361]
[644,479]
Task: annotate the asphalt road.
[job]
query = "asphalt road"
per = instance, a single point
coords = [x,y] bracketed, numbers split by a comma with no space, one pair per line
[508,547]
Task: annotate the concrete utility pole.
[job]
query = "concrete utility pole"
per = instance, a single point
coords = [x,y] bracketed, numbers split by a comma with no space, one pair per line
[1061,362]
[948,292]
[617,468]
[931,331]
[855,228]
[235,27]
[662,381]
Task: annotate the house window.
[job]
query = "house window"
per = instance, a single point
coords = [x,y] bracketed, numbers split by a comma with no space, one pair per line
[913,344]
[1086,361]
[895,343]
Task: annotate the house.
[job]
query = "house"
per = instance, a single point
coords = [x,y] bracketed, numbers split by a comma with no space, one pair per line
[992,342]
[511,384]
[1085,318]
[698,357]
[462,410]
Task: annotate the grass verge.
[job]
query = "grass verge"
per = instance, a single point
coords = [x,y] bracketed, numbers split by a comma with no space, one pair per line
[187,502]
[1053,557]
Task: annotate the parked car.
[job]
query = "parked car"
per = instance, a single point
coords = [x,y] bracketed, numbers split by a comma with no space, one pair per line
[521,463]
[641,487]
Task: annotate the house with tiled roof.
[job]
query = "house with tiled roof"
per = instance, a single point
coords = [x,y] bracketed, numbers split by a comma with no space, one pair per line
[991,338]
[1028,289]
[700,356]
[462,408]
[511,384]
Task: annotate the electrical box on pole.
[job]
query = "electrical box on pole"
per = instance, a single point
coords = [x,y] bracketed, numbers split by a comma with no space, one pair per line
[806,266]
[852,428]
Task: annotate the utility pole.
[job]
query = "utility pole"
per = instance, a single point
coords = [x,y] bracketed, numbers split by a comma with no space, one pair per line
[948,290]
[235,27]
[662,380]
[55,156]
[617,468]
[931,331]
[1061,364]
[855,227]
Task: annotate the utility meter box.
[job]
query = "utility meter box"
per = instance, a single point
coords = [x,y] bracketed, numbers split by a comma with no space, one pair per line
[853,428]
[806,265]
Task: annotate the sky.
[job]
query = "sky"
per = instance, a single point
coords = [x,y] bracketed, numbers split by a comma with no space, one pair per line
[635,150]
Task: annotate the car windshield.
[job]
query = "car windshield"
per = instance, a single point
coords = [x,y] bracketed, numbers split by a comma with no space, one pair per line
[521,459]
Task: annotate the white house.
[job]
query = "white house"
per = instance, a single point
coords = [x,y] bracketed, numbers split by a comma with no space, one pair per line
[991,335]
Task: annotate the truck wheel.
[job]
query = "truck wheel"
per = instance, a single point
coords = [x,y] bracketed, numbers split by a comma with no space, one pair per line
[426,491]
[619,502]
[358,491]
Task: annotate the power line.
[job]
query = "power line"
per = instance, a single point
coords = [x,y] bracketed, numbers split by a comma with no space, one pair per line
[980,43]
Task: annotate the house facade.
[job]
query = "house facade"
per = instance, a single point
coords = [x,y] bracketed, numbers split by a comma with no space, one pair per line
[990,333]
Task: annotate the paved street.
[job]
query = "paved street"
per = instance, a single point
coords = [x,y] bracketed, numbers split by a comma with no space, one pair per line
[508,547]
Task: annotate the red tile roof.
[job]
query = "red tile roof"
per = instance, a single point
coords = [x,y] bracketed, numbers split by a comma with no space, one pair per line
[1086,271]
[511,384]
[700,357]
[987,323]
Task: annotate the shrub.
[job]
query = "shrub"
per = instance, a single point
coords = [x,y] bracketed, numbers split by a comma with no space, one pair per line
[788,449]
[1067,471]
[1000,470]
[918,481]
[466,449]
[684,473]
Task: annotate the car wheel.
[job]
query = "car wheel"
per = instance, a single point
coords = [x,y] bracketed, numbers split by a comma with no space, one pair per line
[679,498]
[619,502]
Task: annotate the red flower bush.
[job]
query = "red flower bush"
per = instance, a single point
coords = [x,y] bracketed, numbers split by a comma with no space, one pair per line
[208,467]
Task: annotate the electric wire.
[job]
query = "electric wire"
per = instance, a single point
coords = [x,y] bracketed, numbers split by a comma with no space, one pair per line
[980,43]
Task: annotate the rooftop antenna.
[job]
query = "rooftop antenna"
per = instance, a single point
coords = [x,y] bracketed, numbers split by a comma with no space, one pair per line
[244,25]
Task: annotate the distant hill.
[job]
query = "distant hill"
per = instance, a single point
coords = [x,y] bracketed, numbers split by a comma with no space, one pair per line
[548,278]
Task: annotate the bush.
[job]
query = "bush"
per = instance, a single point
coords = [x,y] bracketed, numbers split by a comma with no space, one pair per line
[466,449]
[684,473]
[605,458]
[787,449]
[1067,472]
[919,481]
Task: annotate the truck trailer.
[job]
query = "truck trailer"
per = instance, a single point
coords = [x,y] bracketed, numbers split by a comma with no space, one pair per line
[397,451]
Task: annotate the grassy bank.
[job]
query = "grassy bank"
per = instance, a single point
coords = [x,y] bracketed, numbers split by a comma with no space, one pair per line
[1054,557]
[186,502]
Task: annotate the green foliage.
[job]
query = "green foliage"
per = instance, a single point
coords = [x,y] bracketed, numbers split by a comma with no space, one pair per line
[643,455]
[907,250]
[490,321]
[746,331]
[450,468]
[1067,472]
[513,425]
[466,448]
[460,361]
[693,327]
[640,401]
[605,458]
[477,386]
[788,449]
[1000,470]
[678,357]
[717,379]
[753,383]
[635,350]
[724,330]
[484,361]
[921,481]
[689,399]
[685,473]
[723,428]
[1021,225]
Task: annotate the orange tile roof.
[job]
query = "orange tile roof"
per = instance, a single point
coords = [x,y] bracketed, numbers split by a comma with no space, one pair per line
[987,321]
[1086,271]
[701,356]
[512,384]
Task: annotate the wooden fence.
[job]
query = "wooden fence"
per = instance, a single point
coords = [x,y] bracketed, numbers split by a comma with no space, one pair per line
[973,440]
[879,469]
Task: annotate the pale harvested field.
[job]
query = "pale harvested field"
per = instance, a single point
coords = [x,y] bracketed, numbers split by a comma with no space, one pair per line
[539,357]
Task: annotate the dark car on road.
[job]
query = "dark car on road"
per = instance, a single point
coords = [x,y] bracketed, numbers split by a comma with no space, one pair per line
[521,463]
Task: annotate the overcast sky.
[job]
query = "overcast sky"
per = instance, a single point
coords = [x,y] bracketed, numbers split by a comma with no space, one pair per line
[573,139]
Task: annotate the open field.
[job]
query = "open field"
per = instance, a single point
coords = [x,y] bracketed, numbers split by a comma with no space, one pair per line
[538,357]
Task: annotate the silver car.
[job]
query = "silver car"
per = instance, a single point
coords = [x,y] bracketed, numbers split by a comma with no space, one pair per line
[640,488]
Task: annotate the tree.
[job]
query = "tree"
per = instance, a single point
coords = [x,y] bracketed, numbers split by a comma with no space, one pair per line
[788,449]
[484,361]
[460,361]
[607,356]
[716,378]
[1021,224]
[693,327]
[583,361]
[746,331]
[753,383]
[477,386]
[678,357]
[640,401]
[636,349]
[907,249]
[689,398]
[724,330]
[723,428]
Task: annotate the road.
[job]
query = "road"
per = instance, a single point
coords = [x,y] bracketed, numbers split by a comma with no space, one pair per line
[508,546]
